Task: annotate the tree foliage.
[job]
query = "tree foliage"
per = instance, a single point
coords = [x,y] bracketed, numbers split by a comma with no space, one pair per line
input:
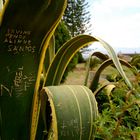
[62,35]
[76,17]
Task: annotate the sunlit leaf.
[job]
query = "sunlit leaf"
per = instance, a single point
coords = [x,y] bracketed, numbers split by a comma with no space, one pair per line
[69,49]
[72,112]
[94,82]
[31,25]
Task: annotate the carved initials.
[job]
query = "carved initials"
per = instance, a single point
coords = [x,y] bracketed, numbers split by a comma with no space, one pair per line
[4,88]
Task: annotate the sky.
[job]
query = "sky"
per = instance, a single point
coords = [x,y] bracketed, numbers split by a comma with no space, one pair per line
[117,22]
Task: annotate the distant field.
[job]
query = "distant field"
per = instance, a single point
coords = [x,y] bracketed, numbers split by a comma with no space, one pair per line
[77,76]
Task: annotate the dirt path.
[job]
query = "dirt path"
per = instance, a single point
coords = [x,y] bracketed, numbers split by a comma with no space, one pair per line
[77,76]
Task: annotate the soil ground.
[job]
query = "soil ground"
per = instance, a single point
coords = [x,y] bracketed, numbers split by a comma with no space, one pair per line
[77,76]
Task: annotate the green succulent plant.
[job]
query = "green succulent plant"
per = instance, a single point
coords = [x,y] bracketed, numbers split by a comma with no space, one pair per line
[30,75]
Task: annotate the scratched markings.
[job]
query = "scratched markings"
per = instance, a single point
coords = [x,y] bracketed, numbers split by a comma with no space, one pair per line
[18,41]
[5,89]
[18,77]
[74,124]
[76,129]
[21,83]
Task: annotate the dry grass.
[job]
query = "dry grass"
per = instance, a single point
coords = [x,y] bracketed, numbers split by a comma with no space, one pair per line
[77,76]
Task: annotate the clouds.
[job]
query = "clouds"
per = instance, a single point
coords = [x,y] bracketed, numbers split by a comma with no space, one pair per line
[111,5]
[121,3]
[117,22]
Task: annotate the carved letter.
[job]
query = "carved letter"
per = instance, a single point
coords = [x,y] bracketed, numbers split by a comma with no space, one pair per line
[4,88]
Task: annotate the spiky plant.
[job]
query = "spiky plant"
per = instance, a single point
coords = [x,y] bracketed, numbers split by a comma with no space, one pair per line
[28,64]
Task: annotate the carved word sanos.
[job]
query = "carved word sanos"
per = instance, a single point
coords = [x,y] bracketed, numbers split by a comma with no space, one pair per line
[19,41]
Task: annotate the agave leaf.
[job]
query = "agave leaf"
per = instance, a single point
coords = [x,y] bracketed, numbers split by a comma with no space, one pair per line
[97,54]
[51,48]
[87,71]
[22,63]
[67,51]
[109,89]
[1,5]
[73,111]
[97,91]
[2,9]
[116,61]
[100,55]
[56,8]
[50,53]
[63,57]
[94,82]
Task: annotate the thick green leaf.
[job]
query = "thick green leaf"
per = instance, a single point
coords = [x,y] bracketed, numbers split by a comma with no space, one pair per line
[1,10]
[87,71]
[58,8]
[25,27]
[95,81]
[98,90]
[50,53]
[73,111]
[63,57]
[109,89]
[1,5]
[115,59]
[67,51]
[100,55]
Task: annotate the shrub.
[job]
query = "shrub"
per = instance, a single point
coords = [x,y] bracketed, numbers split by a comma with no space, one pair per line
[80,58]
[61,35]
[113,77]
[119,117]
[136,61]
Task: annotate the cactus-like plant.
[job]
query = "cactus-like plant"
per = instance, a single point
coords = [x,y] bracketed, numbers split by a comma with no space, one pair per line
[73,110]
[25,25]
[26,53]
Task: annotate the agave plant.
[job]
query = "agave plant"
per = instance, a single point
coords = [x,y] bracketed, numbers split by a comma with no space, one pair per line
[55,72]
[27,53]
[1,5]
[106,62]
[22,51]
